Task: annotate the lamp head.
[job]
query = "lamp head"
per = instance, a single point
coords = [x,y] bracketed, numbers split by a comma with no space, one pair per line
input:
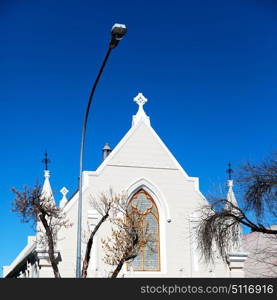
[118,31]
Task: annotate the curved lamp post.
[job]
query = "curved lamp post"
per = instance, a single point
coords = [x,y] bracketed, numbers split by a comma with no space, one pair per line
[118,31]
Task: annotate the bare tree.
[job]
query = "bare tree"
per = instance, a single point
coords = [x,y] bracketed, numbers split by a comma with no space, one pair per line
[103,205]
[127,238]
[33,207]
[220,221]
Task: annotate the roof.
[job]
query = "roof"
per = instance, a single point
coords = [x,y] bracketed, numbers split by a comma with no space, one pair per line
[262,254]
[22,256]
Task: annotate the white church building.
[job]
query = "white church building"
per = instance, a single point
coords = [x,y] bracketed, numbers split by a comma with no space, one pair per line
[143,167]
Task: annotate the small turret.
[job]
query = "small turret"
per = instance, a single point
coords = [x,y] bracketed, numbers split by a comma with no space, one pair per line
[236,256]
[232,202]
[46,198]
[46,192]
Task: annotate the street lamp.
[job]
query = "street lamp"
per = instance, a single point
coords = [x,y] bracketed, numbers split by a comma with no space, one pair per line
[117,33]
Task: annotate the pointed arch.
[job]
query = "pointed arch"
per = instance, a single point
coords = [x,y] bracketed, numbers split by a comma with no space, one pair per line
[164,214]
[148,259]
[154,192]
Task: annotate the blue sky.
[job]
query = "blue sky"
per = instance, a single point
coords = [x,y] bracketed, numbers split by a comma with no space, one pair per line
[208,69]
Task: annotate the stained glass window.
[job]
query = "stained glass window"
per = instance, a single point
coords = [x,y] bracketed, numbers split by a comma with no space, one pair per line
[149,255]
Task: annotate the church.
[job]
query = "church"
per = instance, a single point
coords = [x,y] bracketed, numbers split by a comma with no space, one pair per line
[143,167]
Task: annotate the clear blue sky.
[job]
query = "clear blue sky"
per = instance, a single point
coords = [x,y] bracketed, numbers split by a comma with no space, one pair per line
[208,68]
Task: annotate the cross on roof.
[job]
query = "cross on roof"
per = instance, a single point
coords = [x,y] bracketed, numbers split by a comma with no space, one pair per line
[140,99]
[46,161]
[229,171]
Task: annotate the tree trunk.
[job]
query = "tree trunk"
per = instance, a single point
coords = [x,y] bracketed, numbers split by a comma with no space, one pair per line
[89,246]
[120,264]
[117,269]
[50,246]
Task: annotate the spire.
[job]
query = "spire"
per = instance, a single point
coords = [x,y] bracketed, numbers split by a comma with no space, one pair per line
[237,246]
[141,115]
[46,192]
[230,195]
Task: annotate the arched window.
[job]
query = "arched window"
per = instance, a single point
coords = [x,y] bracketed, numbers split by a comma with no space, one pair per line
[148,258]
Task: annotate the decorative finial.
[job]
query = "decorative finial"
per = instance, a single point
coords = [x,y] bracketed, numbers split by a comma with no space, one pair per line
[64,191]
[229,171]
[64,200]
[140,115]
[140,100]
[46,161]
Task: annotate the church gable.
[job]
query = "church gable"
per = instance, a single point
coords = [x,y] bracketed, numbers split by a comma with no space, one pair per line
[141,147]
